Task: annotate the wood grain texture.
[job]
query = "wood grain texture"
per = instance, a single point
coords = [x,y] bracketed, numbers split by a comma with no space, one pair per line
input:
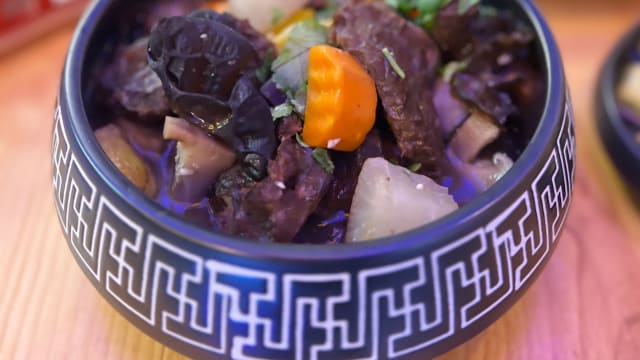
[586,304]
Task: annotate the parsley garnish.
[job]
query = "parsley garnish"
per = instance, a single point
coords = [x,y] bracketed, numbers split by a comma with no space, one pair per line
[322,157]
[424,12]
[394,64]
[281,111]
[263,72]
[415,167]
[452,68]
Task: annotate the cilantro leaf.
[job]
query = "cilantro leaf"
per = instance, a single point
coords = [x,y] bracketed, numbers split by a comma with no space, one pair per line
[282,110]
[291,68]
[322,157]
[466,5]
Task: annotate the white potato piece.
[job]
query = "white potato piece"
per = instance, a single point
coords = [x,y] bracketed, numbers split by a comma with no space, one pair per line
[199,160]
[483,173]
[124,157]
[477,132]
[390,200]
[260,13]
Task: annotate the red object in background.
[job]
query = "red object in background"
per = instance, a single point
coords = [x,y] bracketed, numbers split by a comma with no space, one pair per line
[23,20]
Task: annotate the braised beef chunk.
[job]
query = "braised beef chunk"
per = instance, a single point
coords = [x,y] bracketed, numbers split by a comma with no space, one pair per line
[329,221]
[133,86]
[276,208]
[347,169]
[364,29]
[504,60]
[452,29]
[491,101]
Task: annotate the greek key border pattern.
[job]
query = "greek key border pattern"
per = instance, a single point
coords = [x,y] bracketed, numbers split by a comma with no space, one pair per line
[246,313]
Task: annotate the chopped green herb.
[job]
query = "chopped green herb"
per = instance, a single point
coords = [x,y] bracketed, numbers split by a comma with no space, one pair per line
[291,68]
[281,111]
[452,68]
[277,16]
[263,72]
[394,64]
[466,5]
[487,11]
[301,142]
[415,167]
[328,11]
[322,157]
[424,12]
[303,37]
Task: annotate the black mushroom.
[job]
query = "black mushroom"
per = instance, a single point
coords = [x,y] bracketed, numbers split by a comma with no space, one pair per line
[208,72]
[365,29]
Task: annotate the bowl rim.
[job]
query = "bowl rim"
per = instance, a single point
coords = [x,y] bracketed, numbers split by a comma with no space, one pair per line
[606,95]
[436,234]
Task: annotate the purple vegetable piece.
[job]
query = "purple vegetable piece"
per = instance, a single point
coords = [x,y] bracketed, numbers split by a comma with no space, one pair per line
[273,95]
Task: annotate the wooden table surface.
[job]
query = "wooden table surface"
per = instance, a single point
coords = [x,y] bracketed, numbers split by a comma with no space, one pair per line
[586,304]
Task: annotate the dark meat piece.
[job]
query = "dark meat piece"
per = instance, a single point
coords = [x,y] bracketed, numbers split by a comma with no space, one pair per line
[289,127]
[364,29]
[276,208]
[329,222]
[347,170]
[452,30]
[489,100]
[498,35]
[132,84]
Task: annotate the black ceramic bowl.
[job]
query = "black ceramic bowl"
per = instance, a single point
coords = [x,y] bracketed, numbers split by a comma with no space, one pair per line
[414,296]
[616,134]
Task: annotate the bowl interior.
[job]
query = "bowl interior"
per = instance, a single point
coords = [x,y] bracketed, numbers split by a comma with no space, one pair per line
[116,21]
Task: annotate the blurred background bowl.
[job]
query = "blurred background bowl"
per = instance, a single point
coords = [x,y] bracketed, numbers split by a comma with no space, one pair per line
[618,136]
[415,295]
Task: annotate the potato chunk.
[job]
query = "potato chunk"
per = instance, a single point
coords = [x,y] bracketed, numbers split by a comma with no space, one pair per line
[126,160]
[199,159]
[390,200]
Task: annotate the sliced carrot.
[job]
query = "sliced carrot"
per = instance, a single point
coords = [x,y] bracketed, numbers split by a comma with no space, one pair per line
[217,6]
[341,100]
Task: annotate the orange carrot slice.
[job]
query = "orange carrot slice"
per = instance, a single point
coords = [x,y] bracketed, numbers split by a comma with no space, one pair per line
[341,100]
